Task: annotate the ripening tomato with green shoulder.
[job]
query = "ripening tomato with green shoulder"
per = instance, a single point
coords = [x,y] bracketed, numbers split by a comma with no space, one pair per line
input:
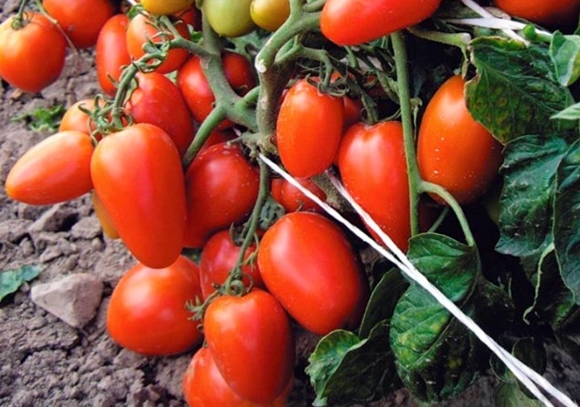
[453,150]
[111,54]
[147,312]
[308,264]
[308,129]
[138,176]
[370,20]
[553,14]
[24,60]
[229,18]
[373,168]
[81,20]
[270,14]
[251,341]
[55,170]
[165,7]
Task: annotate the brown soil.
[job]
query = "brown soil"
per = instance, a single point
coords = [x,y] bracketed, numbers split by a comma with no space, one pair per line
[44,361]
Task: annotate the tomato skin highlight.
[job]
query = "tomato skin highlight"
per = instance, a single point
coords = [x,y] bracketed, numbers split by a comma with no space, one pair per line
[308,130]
[308,264]
[24,62]
[147,312]
[453,150]
[251,341]
[553,14]
[55,170]
[138,176]
[370,20]
[111,52]
[373,168]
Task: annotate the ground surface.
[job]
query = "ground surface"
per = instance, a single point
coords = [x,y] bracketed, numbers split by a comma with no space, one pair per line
[44,361]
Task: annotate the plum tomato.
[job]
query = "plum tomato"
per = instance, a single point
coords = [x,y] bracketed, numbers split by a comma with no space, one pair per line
[292,199]
[553,14]
[111,53]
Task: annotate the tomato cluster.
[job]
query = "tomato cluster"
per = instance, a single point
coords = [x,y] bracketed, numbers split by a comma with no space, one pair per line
[170,153]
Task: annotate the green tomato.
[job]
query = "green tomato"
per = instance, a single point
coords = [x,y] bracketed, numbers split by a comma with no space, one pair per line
[270,14]
[229,18]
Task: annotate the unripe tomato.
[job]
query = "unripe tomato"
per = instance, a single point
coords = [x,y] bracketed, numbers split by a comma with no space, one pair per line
[103,217]
[24,60]
[270,14]
[147,313]
[111,52]
[553,13]
[370,20]
[55,170]
[165,7]
[251,341]
[81,20]
[453,150]
[308,129]
[229,18]
[308,264]
[373,168]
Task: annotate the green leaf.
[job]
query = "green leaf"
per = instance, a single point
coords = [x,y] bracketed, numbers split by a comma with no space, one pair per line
[515,91]
[42,119]
[570,113]
[346,369]
[11,280]
[511,395]
[436,356]
[565,53]
[567,219]
[529,170]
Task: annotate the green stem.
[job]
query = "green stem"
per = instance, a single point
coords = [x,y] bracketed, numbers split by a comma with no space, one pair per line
[400,52]
[216,116]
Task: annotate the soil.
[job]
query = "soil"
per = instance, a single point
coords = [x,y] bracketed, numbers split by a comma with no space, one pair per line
[44,361]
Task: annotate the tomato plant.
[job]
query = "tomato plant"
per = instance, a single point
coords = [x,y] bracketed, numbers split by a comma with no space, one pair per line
[111,53]
[138,177]
[55,170]
[23,62]
[229,19]
[557,13]
[308,264]
[453,150]
[252,343]
[147,312]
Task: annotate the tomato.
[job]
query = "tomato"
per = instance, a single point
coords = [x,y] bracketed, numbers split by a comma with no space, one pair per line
[138,176]
[165,7]
[204,386]
[219,257]
[147,313]
[195,88]
[554,13]
[222,188]
[24,62]
[103,217]
[80,19]
[111,52]
[352,22]
[156,100]
[373,168]
[453,150]
[140,30]
[308,130]
[292,199]
[55,170]
[307,263]
[270,14]
[75,119]
[250,339]
[229,18]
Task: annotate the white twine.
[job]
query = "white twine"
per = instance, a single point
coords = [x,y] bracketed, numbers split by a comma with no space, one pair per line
[523,373]
[486,14]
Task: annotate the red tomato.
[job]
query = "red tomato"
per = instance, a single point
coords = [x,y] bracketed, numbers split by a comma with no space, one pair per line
[24,60]
[292,199]
[75,119]
[308,130]
[309,266]
[554,13]
[103,217]
[138,176]
[204,386]
[140,30]
[222,188]
[453,150]
[373,167]
[80,19]
[111,52]
[55,170]
[250,339]
[195,88]
[156,100]
[370,20]
[219,257]
[147,312]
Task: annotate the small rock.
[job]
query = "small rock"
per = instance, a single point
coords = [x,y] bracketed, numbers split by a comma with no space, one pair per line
[53,220]
[73,299]
[86,228]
